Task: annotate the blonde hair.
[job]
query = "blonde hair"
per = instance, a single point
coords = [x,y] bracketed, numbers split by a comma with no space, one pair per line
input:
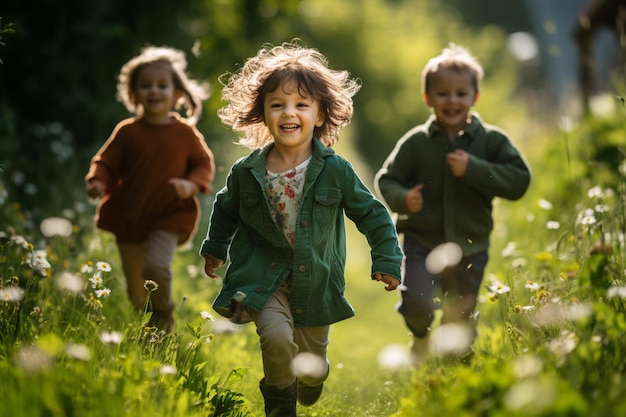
[456,58]
[245,91]
[194,92]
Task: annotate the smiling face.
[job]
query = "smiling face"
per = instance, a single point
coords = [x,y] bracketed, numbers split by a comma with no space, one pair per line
[451,93]
[155,92]
[291,115]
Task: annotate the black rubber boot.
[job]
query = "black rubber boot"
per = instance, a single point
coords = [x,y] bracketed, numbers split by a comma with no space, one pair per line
[279,402]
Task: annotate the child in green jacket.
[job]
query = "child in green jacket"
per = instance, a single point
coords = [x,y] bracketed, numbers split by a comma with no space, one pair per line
[441,179]
[279,220]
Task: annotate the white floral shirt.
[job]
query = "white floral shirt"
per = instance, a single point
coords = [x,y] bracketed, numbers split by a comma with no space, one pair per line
[283,192]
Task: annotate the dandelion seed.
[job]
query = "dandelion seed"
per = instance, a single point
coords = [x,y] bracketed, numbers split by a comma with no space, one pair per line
[553,225]
[150,285]
[111,337]
[443,256]
[33,359]
[509,249]
[103,266]
[527,366]
[307,364]
[207,316]
[78,351]
[545,204]
[450,339]
[167,370]
[395,357]
[103,293]
[533,286]
[70,282]
[56,226]
[11,294]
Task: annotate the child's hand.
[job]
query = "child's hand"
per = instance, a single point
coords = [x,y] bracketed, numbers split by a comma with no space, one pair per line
[184,188]
[96,188]
[457,161]
[211,263]
[414,199]
[392,283]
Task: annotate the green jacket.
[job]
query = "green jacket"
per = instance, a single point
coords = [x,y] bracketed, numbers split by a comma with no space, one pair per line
[242,229]
[455,209]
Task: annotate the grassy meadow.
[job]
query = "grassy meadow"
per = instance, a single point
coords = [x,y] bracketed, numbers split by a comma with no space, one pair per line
[551,329]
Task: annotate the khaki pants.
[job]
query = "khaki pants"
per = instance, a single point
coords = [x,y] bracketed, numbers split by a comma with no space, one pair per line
[151,260]
[281,342]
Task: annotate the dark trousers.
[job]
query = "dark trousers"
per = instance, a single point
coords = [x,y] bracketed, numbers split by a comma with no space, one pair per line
[457,288]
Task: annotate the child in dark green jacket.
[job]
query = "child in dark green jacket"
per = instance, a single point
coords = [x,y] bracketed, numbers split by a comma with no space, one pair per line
[441,179]
[280,218]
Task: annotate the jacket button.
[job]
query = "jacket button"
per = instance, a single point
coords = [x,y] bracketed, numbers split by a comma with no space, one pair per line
[258,289]
[302,268]
[298,311]
[304,223]
[273,265]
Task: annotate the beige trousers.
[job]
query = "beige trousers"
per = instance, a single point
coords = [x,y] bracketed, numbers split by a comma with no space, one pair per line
[151,260]
[281,342]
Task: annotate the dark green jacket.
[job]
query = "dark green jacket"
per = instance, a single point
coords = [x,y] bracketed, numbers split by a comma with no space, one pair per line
[243,229]
[455,209]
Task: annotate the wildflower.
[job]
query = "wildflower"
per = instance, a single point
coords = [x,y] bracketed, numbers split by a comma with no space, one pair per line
[111,337]
[103,293]
[20,241]
[93,302]
[588,220]
[553,225]
[11,294]
[614,292]
[563,345]
[207,316]
[150,285]
[96,280]
[528,308]
[518,263]
[544,204]
[70,282]
[86,268]
[533,286]
[497,287]
[38,262]
[103,266]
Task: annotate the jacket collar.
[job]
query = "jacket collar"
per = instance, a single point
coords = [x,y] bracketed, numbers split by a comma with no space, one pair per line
[257,158]
[471,130]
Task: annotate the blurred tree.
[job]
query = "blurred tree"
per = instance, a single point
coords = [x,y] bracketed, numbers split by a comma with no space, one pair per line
[57,83]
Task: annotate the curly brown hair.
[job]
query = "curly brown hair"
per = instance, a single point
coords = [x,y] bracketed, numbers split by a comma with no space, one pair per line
[245,91]
[453,57]
[194,92]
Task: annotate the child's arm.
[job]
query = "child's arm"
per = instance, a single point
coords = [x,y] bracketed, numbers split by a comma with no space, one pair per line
[392,282]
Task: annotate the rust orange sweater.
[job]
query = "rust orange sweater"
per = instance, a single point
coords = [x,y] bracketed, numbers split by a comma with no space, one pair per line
[136,163]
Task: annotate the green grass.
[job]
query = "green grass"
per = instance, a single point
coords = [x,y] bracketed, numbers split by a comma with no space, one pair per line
[554,349]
